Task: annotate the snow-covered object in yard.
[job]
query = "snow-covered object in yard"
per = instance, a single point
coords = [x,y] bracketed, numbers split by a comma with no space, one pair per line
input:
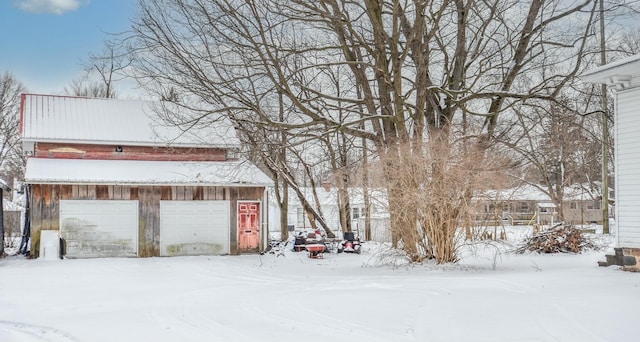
[49,245]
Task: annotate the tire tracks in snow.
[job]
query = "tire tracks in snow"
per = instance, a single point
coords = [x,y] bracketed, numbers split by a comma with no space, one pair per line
[24,332]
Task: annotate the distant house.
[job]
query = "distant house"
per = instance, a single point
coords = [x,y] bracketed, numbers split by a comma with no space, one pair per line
[115,181]
[12,216]
[517,206]
[624,77]
[527,205]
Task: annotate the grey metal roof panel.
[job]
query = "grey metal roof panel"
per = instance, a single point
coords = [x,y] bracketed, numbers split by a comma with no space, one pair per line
[99,121]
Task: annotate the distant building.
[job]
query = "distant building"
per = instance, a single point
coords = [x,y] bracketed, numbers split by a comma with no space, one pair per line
[12,218]
[328,197]
[528,205]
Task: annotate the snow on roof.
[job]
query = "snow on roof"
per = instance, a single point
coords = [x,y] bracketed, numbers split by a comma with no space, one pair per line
[129,172]
[11,206]
[4,186]
[522,193]
[49,118]
[532,193]
[617,72]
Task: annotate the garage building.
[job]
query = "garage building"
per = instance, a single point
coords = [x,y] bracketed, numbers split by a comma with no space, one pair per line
[115,181]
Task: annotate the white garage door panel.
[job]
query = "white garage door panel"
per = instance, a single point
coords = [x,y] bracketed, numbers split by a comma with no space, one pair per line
[194,227]
[99,228]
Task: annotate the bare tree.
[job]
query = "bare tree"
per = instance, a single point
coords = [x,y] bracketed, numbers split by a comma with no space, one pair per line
[558,148]
[11,157]
[425,82]
[629,43]
[102,71]
[269,151]
[85,87]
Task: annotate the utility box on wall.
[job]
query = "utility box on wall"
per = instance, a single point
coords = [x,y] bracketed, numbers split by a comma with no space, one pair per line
[49,244]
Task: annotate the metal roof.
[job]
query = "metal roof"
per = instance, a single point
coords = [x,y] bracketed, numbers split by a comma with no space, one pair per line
[135,172]
[533,193]
[50,118]
[622,73]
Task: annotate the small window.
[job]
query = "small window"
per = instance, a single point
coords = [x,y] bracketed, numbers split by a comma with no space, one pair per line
[300,217]
[574,206]
[355,213]
[524,207]
[593,205]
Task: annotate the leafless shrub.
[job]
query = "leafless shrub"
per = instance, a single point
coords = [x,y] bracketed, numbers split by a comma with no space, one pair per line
[431,197]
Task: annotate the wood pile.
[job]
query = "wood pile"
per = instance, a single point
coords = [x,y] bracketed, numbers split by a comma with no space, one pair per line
[558,239]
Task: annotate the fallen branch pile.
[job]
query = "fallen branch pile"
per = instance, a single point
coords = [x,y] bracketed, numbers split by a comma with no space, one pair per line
[558,239]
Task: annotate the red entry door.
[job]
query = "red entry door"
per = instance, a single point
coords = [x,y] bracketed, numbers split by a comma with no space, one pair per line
[248,226]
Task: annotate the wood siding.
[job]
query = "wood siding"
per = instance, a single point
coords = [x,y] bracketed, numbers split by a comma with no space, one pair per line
[45,207]
[628,168]
[119,152]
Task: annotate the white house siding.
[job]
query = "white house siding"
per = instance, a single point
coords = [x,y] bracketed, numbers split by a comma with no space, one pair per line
[628,168]
[299,219]
[380,229]
[328,199]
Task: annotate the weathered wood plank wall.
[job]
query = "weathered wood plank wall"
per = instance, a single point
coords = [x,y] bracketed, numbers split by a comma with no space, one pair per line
[45,207]
[149,216]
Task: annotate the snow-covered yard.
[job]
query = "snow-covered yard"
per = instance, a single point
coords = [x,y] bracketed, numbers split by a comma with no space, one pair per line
[342,297]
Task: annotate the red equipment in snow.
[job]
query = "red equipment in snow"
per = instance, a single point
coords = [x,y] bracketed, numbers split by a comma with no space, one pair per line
[315,251]
[350,244]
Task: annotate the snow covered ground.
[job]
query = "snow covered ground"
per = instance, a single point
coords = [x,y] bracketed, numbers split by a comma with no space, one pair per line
[489,296]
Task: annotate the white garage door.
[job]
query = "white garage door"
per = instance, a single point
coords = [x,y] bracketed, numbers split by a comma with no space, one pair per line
[99,228]
[194,227]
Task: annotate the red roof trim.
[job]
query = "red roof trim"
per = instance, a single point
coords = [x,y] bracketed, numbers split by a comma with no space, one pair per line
[67,96]
[22,99]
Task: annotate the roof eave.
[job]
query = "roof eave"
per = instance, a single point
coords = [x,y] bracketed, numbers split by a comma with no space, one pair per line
[134,183]
[615,73]
[127,143]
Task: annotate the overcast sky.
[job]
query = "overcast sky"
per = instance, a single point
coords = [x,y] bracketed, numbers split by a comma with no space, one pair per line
[44,42]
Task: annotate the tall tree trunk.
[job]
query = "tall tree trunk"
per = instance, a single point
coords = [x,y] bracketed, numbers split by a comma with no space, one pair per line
[284,201]
[1,222]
